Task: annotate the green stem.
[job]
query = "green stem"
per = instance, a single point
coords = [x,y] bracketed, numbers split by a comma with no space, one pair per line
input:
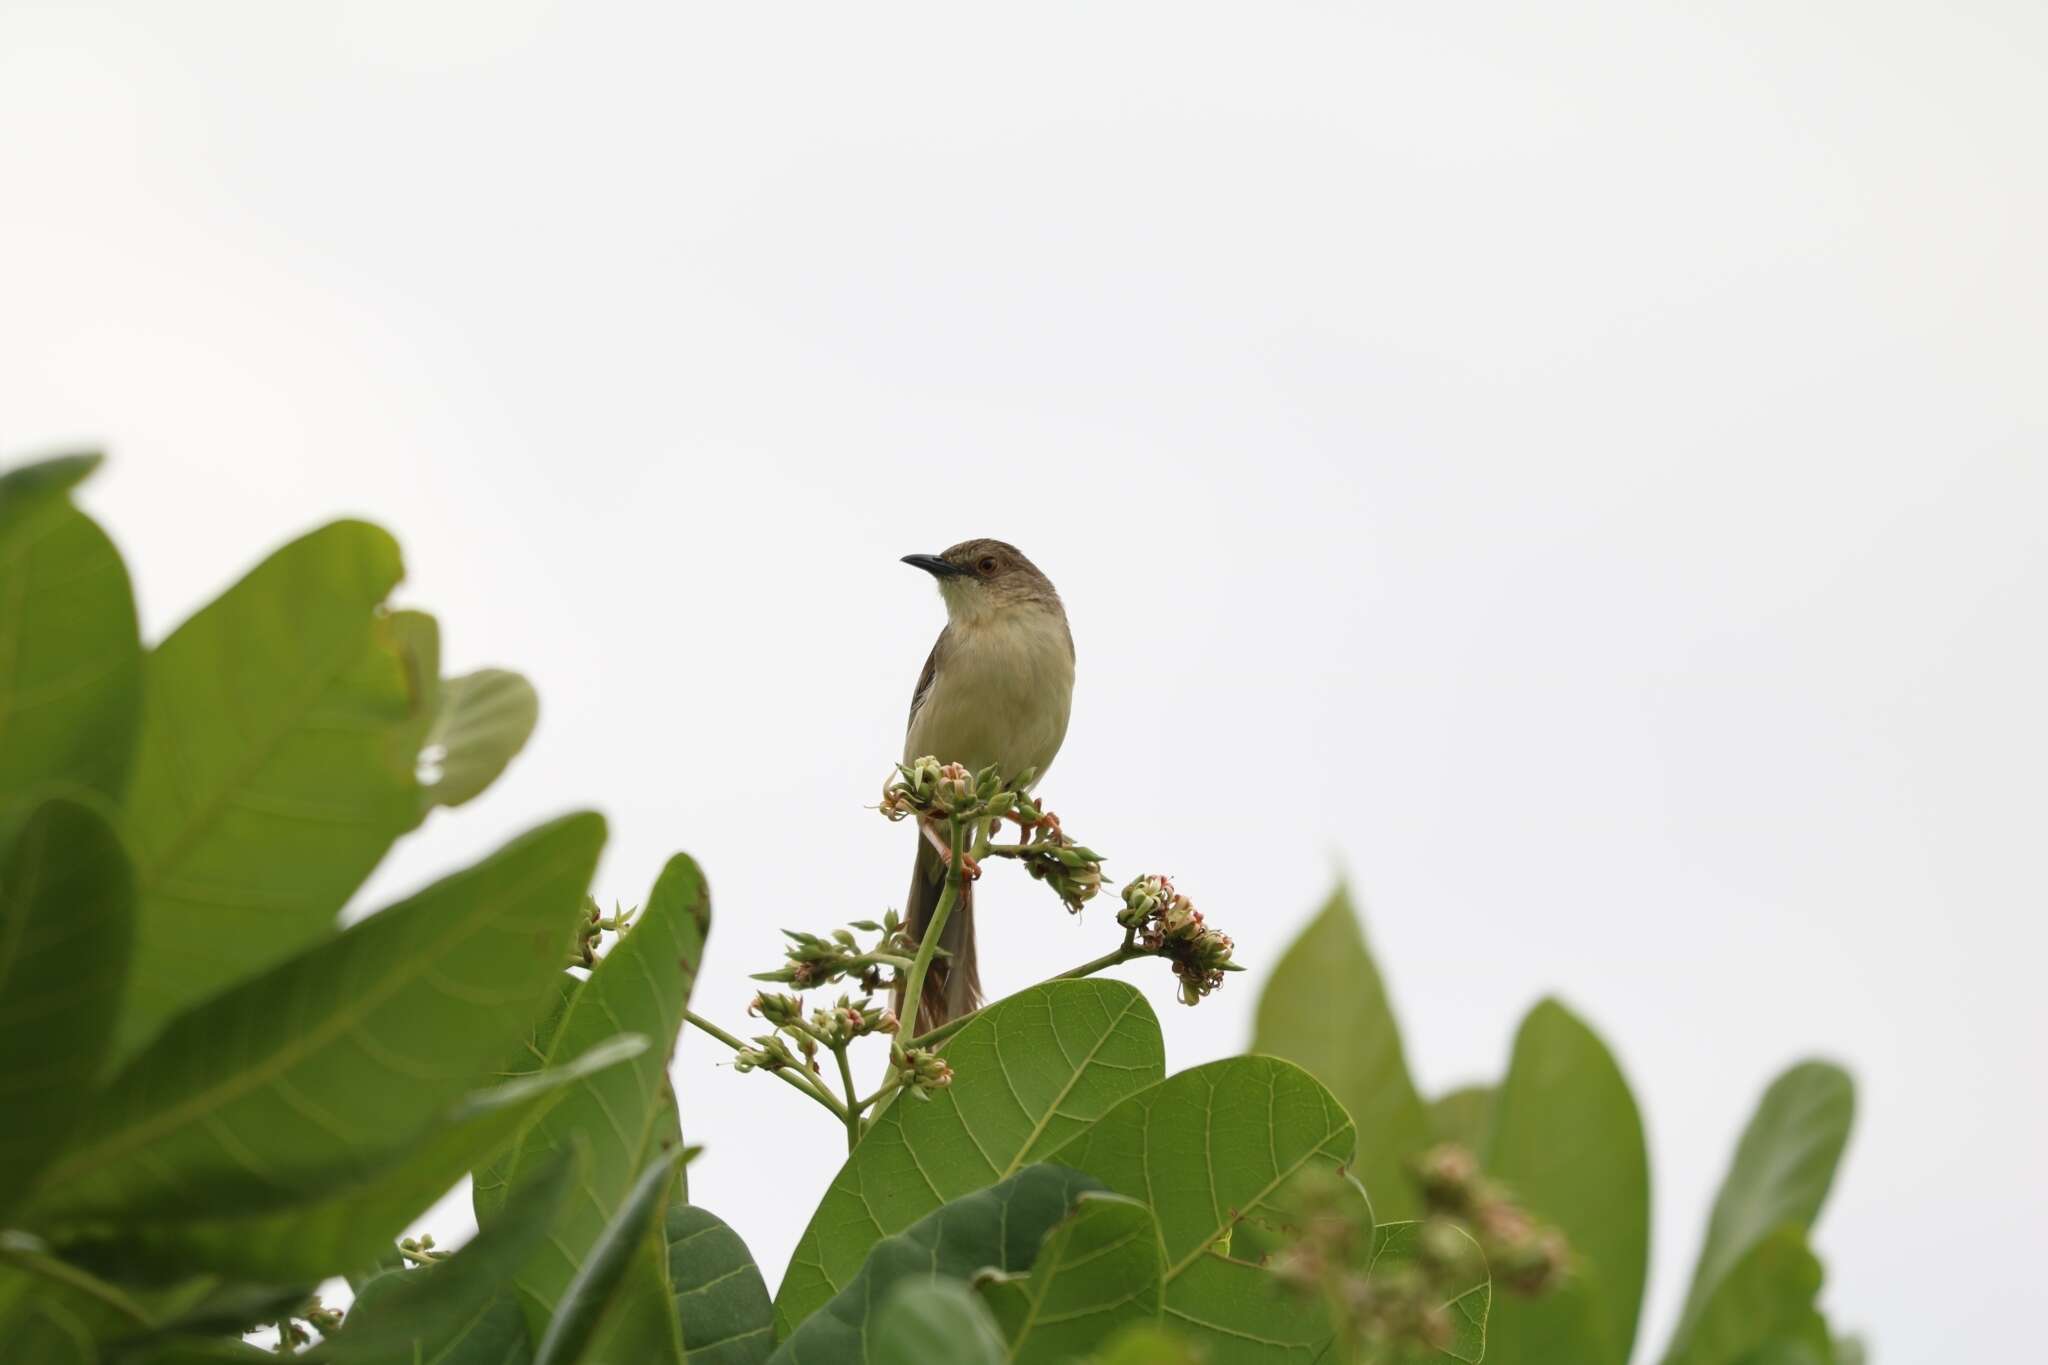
[1128,951]
[64,1273]
[852,1105]
[928,946]
[801,1082]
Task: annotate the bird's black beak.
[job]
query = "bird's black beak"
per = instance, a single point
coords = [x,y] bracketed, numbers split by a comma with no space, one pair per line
[933,565]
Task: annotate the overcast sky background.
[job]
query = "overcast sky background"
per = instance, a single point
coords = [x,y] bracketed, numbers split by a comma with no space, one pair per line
[1578,469]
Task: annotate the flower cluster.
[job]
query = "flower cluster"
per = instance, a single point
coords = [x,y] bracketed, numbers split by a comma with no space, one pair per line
[1166,923]
[815,960]
[834,1025]
[1395,1298]
[924,1070]
[1530,1257]
[948,791]
[593,925]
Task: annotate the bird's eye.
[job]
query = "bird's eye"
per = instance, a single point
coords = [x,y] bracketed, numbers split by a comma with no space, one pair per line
[988,564]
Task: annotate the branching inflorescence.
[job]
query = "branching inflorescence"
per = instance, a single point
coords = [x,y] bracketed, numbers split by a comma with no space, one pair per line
[963,811]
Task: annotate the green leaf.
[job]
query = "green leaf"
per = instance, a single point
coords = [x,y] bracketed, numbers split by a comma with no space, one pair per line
[67,907]
[597,1288]
[329,1066]
[1098,1271]
[936,1322]
[721,1299]
[70,654]
[482,721]
[1767,1296]
[1395,1245]
[626,1113]
[997,1228]
[1029,1073]
[1568,1141]
[1325,1009]
[1781,1173]
[353,1224]
[408,1315]
[1146,1344]
[276,767]
[1211,1151]
[1463,1116]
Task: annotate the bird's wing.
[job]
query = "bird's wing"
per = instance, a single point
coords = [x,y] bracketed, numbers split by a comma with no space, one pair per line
[926,678]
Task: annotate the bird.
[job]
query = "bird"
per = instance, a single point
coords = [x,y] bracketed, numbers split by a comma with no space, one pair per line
[997,688]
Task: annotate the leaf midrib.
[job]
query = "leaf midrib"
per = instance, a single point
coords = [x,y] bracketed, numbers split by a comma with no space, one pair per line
[1038,1128]
[150,876]
[355,1011]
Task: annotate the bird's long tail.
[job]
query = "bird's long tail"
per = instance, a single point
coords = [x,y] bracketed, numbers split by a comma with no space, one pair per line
[952,984]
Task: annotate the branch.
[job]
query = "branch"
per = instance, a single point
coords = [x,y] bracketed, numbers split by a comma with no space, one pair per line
[1126,953]
[790,1075]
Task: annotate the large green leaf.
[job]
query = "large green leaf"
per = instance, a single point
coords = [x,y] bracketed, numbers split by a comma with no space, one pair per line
[936,1322]
[585,1324]
[403,1316]
[997,1228]
[1781,1173]
[276,767]
[481,722]
[70,655]
[1568,1141]
[626,1113]
[329,1066]
[1212,1150]
[721,1299]
[1097,1272]
[1325,1008]
[1765,1297]
[1400,1244]
[353,1223]
[67,912]
[1028,1074]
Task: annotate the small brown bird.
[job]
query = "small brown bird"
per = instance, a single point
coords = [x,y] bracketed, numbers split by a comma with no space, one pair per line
[996,689]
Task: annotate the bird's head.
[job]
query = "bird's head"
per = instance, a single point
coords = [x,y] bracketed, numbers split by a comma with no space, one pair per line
[984,579]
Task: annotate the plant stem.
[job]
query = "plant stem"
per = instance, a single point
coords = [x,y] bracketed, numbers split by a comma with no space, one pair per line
[852,1105]
[928,945]
[1128,951]
[792,1077]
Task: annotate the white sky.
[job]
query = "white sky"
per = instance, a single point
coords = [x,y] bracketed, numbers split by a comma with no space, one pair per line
[1578,467]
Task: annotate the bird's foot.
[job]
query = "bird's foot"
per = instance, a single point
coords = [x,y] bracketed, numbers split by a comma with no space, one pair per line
[970,866]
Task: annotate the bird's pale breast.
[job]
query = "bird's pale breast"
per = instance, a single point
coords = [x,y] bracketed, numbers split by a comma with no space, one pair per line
[1001,695]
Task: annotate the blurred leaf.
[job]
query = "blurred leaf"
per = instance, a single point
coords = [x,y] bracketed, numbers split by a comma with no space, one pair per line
[70,655]
[1210,1150]
[67,907]
[1764,1298]
[407,1315]
[601,1281]
[1568,1142]
[936,1322]
[1781,1173]
[1400,1244]
[1464,1116]
[998,1228]
[1325,1009]
[1097,1271]
[331,1065]
[1148,1344]
[274,771]
[482,721]
[1029,1073]
[626,1113]
[353,1223]
[721,1299]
